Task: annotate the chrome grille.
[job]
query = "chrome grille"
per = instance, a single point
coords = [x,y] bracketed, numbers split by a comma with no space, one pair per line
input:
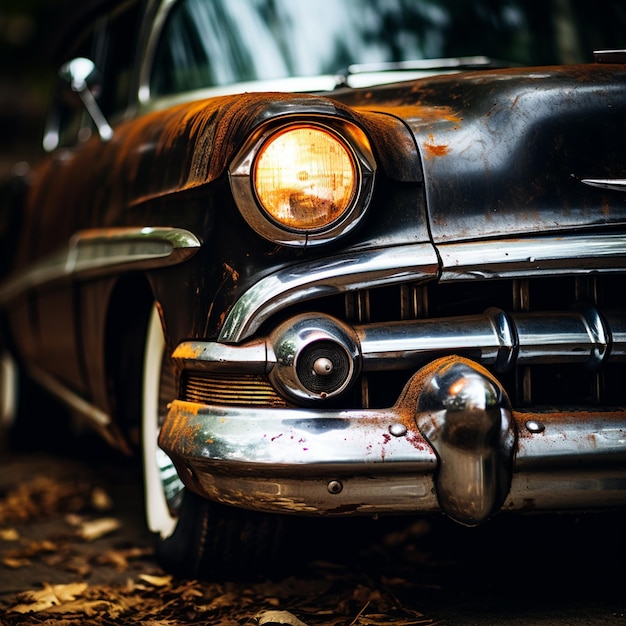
[234,390]
[555,382]
[552,385]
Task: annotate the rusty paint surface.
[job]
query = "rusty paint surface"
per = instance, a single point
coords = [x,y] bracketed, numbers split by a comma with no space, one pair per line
[504,151]
[431,149]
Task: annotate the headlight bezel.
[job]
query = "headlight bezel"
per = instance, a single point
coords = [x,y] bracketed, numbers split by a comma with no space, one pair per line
[242,180]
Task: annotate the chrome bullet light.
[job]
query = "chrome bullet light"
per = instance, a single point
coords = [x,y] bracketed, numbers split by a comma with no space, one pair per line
[304,183]
[316,357]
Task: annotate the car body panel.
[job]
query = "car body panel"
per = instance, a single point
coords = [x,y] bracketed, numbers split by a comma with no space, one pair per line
[505,152]
[459,346]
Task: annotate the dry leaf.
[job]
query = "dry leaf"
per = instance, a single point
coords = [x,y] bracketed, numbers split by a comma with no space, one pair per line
[100,500]
[9,534]
[50,595]
[77,564]
[13,563]
[227,599]
[19,557]
[73,519]
[266,618]
[42,497]
[157,581]
[94,529]
[119,559]
[88,608]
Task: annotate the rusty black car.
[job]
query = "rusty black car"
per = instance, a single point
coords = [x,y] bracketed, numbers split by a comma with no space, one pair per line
[333,258]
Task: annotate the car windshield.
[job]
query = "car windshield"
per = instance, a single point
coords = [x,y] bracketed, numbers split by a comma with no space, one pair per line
[208,43]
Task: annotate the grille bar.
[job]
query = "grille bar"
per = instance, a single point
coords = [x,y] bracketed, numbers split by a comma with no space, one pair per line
[232,390]
[540,377]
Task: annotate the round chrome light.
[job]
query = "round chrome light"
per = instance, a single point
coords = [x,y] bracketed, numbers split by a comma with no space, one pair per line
[304,183]
[316,356]
[305,178]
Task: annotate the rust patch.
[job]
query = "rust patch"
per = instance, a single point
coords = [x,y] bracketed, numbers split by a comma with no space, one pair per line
[424,113]
[433,149]
[232,272]
[187,351]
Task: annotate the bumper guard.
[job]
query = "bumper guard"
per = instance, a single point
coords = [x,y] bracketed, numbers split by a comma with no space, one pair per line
[451,443]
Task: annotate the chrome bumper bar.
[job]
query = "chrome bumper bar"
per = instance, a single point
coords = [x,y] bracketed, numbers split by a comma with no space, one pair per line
[451,443]
[338,352]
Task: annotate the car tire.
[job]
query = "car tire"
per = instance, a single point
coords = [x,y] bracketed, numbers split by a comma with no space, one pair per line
[194,537]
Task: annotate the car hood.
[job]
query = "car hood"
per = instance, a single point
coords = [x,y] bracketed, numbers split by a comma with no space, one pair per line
[507,151]
[498,152]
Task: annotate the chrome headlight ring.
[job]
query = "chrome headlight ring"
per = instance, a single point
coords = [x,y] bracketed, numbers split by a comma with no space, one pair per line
[304,182]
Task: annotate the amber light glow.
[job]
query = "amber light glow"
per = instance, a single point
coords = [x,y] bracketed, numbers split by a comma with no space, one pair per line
[305,178]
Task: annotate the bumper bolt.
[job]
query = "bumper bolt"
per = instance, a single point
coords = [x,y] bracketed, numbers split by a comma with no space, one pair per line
[535,426]
[397,430]
[334,487]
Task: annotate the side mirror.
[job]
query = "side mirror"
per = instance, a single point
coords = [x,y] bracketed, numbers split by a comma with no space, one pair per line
[82,76]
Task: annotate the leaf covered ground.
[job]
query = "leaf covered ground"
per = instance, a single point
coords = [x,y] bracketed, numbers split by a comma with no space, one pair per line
[67,527]
[74,551]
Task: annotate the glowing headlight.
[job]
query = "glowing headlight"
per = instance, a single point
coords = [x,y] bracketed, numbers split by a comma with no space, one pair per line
[305,178]
[304,183]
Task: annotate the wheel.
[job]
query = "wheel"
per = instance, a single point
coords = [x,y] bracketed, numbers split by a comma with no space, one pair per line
[194,537]
[163,488]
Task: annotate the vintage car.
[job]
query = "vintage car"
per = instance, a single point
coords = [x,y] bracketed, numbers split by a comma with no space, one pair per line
[338,258]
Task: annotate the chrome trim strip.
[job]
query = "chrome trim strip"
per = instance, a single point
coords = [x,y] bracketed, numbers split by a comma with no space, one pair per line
[494,338]
[535,256]
[610,56]
[327,276]
[562,438]
[584,337]
[291,436]
[250,358]
[99,251]
[96,416]
[295,84]
[286,459]
[616,184]
[477,260]
[91,414]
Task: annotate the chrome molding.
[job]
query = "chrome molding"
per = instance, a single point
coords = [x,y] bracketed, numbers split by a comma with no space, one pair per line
[332,462]
[322,277]
[616,184]
[501,258]
[291,437]
[93,414]
[498,339]
[495,338]
[100,251]
[610,56]
[534,256]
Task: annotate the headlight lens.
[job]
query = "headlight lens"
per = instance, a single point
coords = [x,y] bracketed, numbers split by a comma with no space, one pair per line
[305,178]
[303,183]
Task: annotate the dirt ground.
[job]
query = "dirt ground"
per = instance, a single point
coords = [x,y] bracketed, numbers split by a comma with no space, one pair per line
[73,550]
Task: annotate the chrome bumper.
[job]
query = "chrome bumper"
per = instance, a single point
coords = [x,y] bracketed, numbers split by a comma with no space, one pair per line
[451,443]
